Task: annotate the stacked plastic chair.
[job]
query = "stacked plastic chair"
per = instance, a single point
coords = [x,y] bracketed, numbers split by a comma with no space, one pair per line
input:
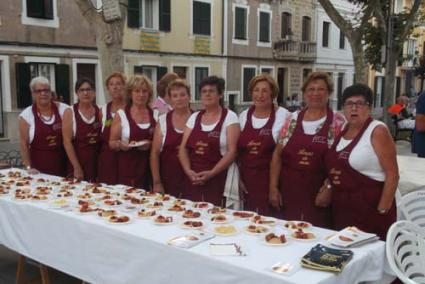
[405,249]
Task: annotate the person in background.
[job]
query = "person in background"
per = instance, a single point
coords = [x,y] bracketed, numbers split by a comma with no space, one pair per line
[400,111]
[209,144]
[107,169]
[81,133]
[132,133]
[418,143]
[162,103]
[40,129]
[167,173]
[297,173]
[260,126]
[362,168]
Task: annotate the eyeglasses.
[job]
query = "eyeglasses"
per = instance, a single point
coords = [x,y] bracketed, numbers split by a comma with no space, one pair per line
[358,104]
[87,90]
[40,91]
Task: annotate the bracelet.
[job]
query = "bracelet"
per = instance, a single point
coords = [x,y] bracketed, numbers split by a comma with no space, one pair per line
[157,182]
[28,168]
[382,211]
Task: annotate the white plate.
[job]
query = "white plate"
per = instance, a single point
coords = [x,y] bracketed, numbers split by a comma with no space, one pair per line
[120,223]
[213,230]
[316,237]
[256,234]
[137,143]
[263,241]
[163,224]
[183,226]
[272,220]
[147,217]
[305,228]
[206,204]
[229,219]
[243,218]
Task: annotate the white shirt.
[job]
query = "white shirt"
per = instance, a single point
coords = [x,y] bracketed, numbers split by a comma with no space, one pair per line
[363,157]
[74,122]
[281,115]
[310,127]
[162,122]
[125,125]
[28,116]
[231,118]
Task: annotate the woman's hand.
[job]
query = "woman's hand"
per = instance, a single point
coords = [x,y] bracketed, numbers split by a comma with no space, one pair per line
[123,145]
[33,171]
[78,173]
[275,198]
[204,176]
[158,187]
[146,146]
[324,196]
[242,190]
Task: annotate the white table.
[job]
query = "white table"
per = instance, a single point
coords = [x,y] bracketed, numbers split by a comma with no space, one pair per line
[90,249]
[412,173]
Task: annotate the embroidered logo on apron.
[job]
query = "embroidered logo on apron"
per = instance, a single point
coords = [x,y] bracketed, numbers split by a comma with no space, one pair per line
[92,136]
[304,157]
[253,147]
[343,155]
[265,132]
[57,126]
[200,147]
[334,173]
[51,140]
[215,134]
[320,139]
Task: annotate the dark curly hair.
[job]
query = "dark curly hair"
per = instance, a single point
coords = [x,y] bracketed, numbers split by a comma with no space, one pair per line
[358,89]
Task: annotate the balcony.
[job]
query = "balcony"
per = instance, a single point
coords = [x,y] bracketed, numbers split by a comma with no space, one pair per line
[287,49]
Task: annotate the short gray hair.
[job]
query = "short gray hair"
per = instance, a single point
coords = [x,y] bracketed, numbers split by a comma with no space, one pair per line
[39,80]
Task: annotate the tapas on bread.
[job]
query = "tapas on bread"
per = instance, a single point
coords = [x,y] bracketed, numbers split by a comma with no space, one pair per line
[258,219]
[176,208]
[143,213]
[163,220]
[190,214]
[155,205]
[202,205]
[115,219]
[225,230]
[275,240]
[217,210]
[256,229]
[295,225]
[299,234]
[220,219]
[243,214]
[106,213]
[193,225]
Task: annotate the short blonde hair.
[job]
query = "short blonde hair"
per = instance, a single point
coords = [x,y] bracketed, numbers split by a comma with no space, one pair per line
[319,76]
[178,83]
[266,78]
[113,75]
[138,82]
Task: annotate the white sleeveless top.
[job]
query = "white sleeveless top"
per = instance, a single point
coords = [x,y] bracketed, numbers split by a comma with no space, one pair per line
[125,124]
[363,157]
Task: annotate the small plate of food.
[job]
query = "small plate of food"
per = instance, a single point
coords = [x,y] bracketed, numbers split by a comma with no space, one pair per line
[295,225]
[256,229]
[301,235]
[145,214]
[137,143]
[119,219]
[216,210]
[155,205]
[106,213]
[202,205]
[221,219]
[243,214]
[272,239]
[191,214]
[261,220]
[176,208]
[193,224]
[163,220]
[225,230]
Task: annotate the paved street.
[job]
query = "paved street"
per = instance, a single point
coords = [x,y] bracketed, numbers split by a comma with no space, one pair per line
[8,259]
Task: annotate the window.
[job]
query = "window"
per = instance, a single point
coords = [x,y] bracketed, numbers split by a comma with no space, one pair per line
[42,9]
[286,25]
[1,103]
[181,71]
[306,29]
[341,40]
[200,73]
[325,34]
[165,15]
[240,27]
[144,14]
[306,72]
[248,74]
[267,70]
[264,26]
[201,18]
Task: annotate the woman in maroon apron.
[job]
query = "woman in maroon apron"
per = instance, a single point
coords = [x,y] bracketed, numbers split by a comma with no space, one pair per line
[297,169]
[107,170]
[81,130]
[132,133]
[201,152]
[167,173]
[357,199]
[40,128]
[256,144]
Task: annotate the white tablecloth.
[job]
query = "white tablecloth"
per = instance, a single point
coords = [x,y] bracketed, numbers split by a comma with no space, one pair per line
[90,249]
[412,173]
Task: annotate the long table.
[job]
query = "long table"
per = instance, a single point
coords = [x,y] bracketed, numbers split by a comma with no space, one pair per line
[89,248]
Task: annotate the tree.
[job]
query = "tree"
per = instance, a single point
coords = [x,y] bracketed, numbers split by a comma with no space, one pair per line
[109,35]
[373,28]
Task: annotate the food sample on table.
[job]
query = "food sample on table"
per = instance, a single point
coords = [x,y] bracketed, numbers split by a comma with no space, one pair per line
[202,205]
[193,224]
[263,220]
[39,197]
[301,235]
[156,205]
[217,210]
[163,197]
[254,229]
[112,202]
[142,200]
[272,238]
[297,225]
[243,214]
[225,230]
[163,219]
[191,214]
[180,202]
[221,218]
[119,219]
[176,208]
[143,213]
[106,213]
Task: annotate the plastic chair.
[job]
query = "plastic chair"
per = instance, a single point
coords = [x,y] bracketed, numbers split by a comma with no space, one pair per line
[405,249]
[412,206]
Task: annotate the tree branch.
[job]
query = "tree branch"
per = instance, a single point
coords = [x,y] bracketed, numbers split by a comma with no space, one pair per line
[335,16]
[87,10]
[377,8]
[410,20]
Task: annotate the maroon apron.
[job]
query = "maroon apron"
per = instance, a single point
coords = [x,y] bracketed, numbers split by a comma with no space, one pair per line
[172,174]
[355,196]
[46,151]
[303,173]
[133,165]
[86,144]
[204,154]
[255,147]
[107,167]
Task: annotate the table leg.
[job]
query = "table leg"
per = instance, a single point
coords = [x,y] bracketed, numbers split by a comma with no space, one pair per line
[20,270]
[44,274]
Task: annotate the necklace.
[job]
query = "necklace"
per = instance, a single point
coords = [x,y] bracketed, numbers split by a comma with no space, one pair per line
[45,118]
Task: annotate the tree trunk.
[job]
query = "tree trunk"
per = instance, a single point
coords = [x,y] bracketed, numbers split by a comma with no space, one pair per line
[360,66]
[109,38]
[390,71]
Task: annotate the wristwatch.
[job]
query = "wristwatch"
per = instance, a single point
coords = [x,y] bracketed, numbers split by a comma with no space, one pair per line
[28,168]
[382,211]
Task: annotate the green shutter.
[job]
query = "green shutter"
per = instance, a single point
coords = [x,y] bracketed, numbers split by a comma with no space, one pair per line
[62,80]
[240,23]
[248,74]
[133,13]
[165,15]
[138,70]
[201,18]
[23,78]
[161,71]
[35,8]
[48,9]
[264,27]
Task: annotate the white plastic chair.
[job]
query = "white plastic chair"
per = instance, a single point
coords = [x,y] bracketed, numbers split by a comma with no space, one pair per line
[412,206]
[405,249]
